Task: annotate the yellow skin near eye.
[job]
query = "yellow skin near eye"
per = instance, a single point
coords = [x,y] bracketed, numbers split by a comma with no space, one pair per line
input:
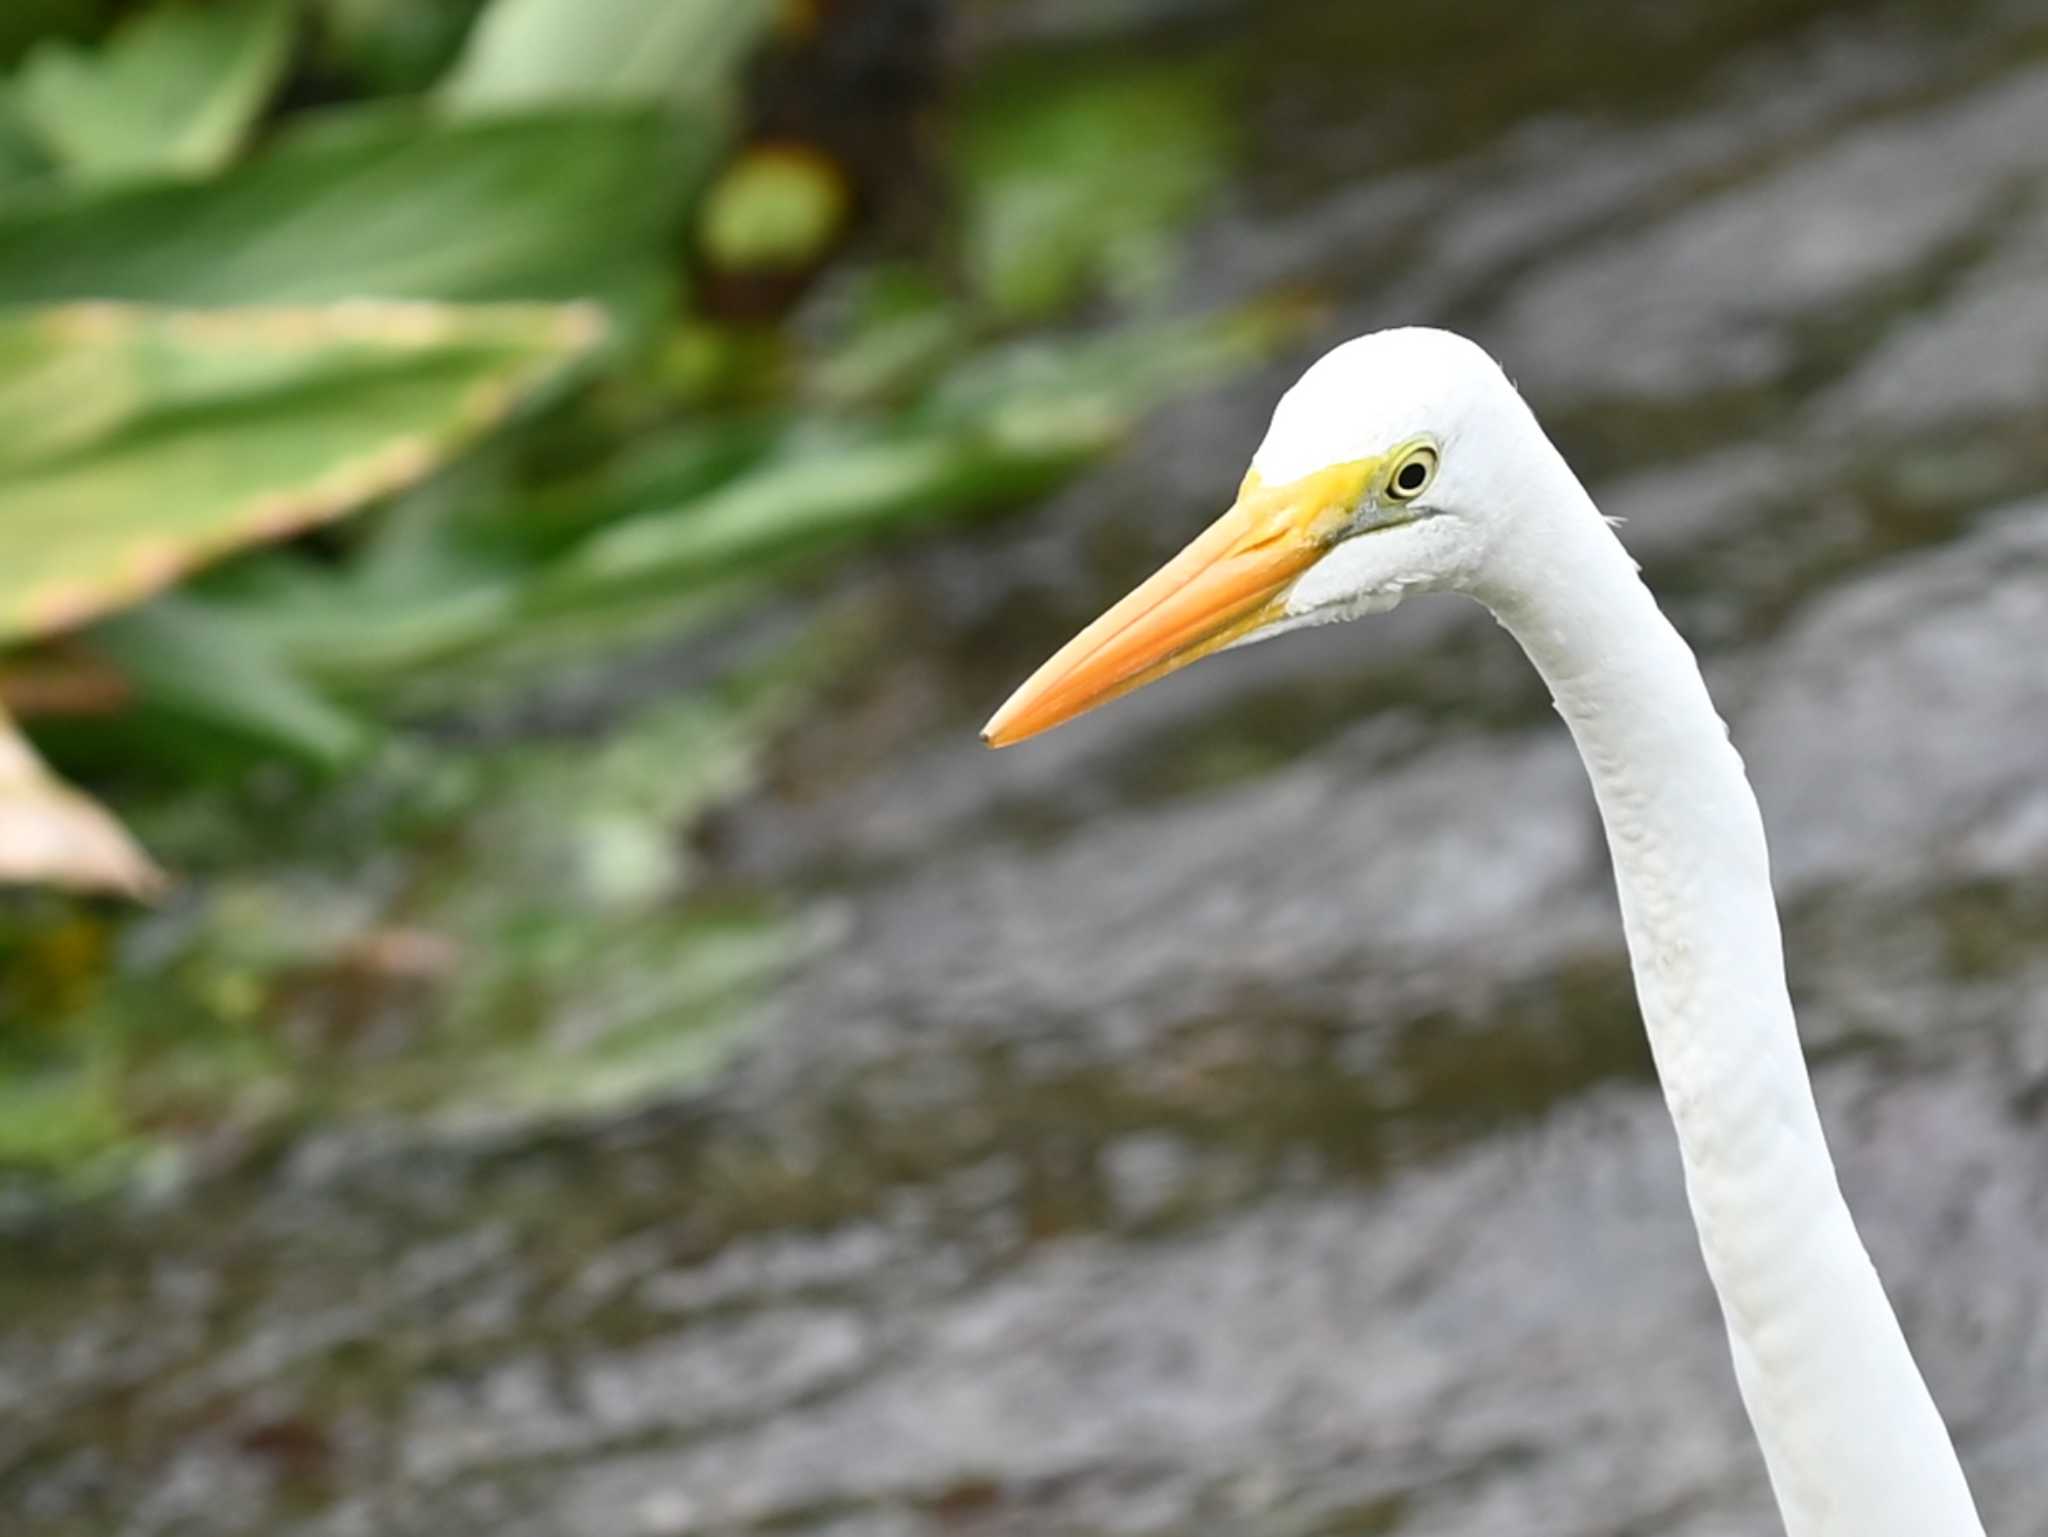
[1322,508]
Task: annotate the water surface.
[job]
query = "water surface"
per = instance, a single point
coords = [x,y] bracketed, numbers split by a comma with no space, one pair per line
[1230,1114]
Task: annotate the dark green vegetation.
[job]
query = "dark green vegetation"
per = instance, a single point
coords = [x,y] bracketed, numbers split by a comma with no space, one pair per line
[646,347]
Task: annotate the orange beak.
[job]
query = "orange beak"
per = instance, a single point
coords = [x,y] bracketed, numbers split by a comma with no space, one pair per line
[1231,581]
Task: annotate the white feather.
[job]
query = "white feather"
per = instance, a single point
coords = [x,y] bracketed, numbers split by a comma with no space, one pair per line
[1851,1438]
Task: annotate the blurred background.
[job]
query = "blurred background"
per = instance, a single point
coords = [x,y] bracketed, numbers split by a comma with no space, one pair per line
[524,1007]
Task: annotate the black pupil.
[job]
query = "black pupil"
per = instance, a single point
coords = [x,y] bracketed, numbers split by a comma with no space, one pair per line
[1412,476]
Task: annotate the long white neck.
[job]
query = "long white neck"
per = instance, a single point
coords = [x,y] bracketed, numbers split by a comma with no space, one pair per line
[1852,1440]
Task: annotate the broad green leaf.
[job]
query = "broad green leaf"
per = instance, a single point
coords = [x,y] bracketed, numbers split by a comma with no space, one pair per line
[51,834]
[793,507]
[380,202]
[528,53]
[137,444]
[195,663]
[393,45]
[898,328]
[176,90]
[1002,427]
[22,160]
[24,23]
[1076,179]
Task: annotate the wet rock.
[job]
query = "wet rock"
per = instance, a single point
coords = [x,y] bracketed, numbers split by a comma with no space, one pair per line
[1308,1356]
[696,1381]
[1898,736]
[1975,355]
[1715,296]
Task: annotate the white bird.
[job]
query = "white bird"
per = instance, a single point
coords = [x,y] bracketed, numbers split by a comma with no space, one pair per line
[1403,462]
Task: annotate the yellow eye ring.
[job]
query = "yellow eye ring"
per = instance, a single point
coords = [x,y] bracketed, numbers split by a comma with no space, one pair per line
[1413,475]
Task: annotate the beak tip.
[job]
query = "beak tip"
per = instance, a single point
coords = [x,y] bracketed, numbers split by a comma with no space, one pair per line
[1002,729]
[1228,583]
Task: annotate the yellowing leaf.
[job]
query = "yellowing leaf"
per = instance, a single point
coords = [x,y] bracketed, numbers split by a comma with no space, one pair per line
[777,210]
[51,834]
[137,444]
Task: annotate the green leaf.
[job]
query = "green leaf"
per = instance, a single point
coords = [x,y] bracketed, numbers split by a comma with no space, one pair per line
[22,160]
[1003,426]
[392,45]
[378,202]
[51,834]
[24,23]
[137,444]
[684,53]
[176,90]
[195,663]
[898,328]
[1077,179]
[793,507]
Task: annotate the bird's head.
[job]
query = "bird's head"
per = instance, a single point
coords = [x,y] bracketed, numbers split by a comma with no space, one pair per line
[1389,468]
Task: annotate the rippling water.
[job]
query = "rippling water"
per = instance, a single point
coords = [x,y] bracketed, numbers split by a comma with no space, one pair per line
[1230,1114]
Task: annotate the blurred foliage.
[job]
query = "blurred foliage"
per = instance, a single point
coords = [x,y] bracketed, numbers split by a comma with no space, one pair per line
[176,90]
[25,23]
[392,46]
[136,443]
[384,202]
[51,833]
[775,209]
[1049,214]
[270,264]
[529,53]
[526,935]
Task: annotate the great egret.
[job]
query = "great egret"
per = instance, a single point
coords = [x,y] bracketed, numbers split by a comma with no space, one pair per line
[1405,461]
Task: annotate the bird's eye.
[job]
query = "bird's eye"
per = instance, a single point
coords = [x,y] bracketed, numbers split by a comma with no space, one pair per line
[1412,475]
